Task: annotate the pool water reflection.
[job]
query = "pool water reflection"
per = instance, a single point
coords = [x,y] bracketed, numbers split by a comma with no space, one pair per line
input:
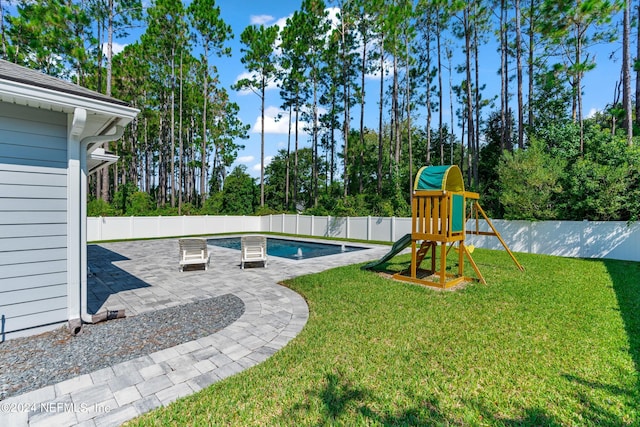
[292,249]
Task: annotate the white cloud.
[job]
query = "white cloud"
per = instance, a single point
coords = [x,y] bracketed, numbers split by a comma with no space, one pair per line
[592,112]
[273,126]
[282,22]
[332,15]
[375,75]
[245,75]
[267,160]
[260,19]
[245,159]
[116,47]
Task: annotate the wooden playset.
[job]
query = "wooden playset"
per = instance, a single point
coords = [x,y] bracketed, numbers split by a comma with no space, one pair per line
[439,217]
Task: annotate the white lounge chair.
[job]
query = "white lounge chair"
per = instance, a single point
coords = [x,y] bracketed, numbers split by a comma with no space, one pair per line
[253,249]
[193,252]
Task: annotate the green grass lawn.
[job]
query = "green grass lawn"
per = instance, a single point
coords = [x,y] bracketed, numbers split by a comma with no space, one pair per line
[556,345]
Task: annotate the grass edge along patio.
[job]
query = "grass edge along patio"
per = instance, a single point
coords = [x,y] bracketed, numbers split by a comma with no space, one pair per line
[558,344]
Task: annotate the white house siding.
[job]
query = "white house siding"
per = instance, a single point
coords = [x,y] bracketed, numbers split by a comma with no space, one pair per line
[33,219]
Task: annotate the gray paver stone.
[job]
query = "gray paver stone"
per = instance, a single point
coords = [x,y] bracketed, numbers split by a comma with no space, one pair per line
[172,394]
[180,361]
[228,370]
[147,404]
[102,375]
[73,384]
[152,371]
[203,380]
[183,375]
[116,417]
[127,395]
[118,383]
[204,366]
[97,409]
[14,419]
[154,385]
[92,395]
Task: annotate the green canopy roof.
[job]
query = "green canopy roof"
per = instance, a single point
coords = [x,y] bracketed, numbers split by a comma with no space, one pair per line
[439,178]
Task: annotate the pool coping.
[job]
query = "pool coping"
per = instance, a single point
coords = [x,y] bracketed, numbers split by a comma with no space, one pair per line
[288,238]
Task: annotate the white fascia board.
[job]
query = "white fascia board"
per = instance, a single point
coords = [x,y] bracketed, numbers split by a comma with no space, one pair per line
[39,97]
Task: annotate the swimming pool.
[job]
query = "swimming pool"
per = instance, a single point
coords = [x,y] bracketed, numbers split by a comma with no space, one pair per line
[292,249]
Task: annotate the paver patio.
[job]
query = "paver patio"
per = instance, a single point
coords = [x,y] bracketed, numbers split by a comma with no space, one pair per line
[142,276]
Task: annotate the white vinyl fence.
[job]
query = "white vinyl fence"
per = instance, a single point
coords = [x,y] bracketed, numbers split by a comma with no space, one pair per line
[142,227]
[584,239]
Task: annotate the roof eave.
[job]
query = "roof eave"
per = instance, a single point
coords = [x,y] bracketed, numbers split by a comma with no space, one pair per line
[39,97]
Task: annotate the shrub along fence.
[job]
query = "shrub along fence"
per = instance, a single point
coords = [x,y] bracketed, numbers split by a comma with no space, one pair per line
[584,239]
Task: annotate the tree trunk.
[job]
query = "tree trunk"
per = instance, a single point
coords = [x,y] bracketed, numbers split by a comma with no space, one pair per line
[440,97]
[105,172]
[295,157]
[476,92]
[147,158]
[263,84]
[173,131]
[396,113]
[347,112]
[579,86]
[504,77]
[362,103]
[626,73]
[408,95]
[332,145]
[205,102]
[315,142]
[532,9]
[428,99]
[380,104]
[519,73]
[638,74]
[470,124]
[286,184]
[180,146]
[451,153]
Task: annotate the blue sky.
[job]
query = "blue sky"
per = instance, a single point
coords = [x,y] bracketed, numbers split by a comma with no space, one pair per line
[598,84]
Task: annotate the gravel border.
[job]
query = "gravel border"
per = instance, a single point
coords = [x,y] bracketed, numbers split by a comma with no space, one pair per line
[34,362]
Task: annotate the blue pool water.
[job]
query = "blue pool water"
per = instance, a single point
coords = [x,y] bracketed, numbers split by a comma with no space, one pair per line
[292,249]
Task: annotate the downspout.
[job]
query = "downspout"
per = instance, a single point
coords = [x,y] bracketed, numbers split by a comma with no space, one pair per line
[75,325]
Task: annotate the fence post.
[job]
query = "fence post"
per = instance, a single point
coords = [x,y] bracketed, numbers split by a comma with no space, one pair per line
[313,224]
[393,228]
[583,250]
[531,234]
[297,223]
[347,228]
[369,227]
